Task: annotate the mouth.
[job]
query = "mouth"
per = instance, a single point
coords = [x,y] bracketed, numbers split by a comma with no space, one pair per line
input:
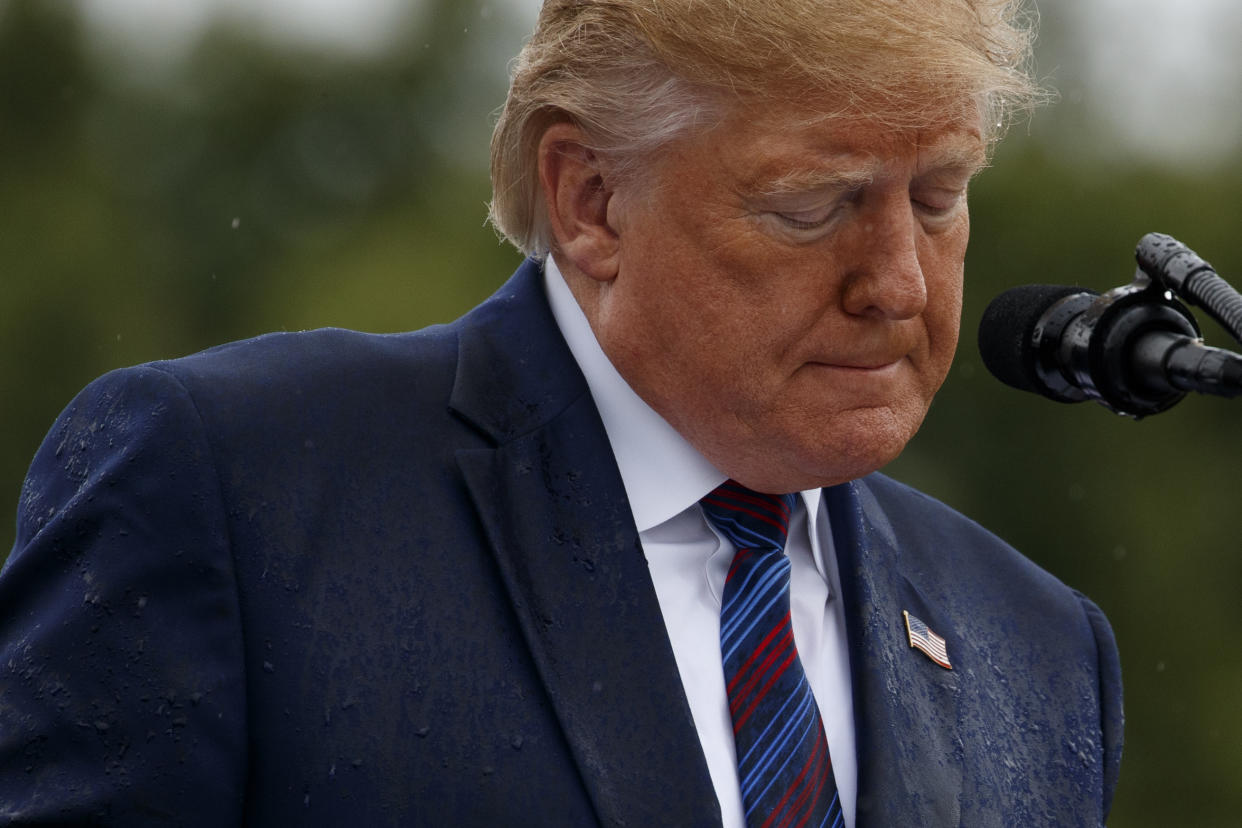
[860,366]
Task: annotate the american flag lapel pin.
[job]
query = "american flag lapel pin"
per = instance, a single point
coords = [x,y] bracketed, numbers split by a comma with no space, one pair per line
[922,638]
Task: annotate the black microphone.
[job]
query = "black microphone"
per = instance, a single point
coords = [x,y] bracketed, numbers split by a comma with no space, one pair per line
[1134,349]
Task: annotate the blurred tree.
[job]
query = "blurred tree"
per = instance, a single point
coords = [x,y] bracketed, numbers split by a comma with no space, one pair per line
[254,186]
[250,187]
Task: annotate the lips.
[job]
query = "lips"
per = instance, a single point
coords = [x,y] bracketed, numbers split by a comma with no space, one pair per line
[860,355]
[860,365]
[862,362]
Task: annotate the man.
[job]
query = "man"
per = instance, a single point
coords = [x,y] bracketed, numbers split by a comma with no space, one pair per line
[464,577]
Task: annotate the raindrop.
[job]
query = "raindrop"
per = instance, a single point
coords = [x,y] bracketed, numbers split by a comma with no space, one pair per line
[236,223]
[517,742]
[268,667]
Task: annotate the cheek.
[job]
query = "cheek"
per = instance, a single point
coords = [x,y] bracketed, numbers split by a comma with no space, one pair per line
[943,263]
[942,318]
[944,311]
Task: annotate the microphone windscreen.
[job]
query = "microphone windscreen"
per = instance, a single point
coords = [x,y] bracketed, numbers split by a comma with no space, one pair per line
[1005,333]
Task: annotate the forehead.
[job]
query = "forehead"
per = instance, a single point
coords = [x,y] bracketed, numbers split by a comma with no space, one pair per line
[788,152]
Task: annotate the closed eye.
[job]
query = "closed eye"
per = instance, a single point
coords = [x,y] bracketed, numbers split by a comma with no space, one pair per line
[820,215]
[938,203]
[808,219]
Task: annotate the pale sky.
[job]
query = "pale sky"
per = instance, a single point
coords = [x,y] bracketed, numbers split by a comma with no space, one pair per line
[1165,76]
[1168,74]
[169,25]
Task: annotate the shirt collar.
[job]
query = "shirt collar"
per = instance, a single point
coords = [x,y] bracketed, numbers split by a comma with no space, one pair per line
[662,472]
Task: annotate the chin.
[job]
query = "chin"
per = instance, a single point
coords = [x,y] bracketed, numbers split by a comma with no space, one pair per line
[855,452]
[840,447]
[796,468]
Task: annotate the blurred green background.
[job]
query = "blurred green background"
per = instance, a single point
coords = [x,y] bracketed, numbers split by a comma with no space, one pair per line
[166,189]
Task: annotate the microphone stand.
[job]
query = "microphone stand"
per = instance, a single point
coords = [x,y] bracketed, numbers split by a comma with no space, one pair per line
[1172,264]
[1166,267]
[1136,349]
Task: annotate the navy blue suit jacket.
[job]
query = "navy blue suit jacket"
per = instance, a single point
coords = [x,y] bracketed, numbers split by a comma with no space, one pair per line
[335,578]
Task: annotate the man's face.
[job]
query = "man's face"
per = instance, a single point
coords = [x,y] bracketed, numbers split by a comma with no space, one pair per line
[788,295]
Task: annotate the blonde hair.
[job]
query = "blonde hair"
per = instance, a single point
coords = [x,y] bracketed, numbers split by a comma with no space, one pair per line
[635,75]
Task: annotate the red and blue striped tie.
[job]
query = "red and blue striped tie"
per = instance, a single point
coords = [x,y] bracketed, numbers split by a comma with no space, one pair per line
[782,755]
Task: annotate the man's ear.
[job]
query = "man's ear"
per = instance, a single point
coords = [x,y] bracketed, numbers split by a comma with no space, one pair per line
[577,194]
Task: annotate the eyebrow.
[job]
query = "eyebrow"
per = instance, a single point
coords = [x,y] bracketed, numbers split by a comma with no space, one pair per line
[964,156]
[811,180]
[968,157]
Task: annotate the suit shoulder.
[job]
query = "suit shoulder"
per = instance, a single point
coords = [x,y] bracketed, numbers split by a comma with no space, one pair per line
[909,506]
[309,370]
[945,546]
[266,396]
[321,353]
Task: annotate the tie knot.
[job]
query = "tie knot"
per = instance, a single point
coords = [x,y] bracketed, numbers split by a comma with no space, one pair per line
[750,520]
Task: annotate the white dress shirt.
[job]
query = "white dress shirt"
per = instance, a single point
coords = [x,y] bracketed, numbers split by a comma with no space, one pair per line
[664,479]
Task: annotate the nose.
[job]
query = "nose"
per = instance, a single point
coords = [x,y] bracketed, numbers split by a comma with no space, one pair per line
[886,281]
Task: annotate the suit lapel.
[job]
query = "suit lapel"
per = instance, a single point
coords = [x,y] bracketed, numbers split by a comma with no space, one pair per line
[553,507]
[906,708]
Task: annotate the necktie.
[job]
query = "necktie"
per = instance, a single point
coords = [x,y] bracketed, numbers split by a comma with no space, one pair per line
[782,755]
